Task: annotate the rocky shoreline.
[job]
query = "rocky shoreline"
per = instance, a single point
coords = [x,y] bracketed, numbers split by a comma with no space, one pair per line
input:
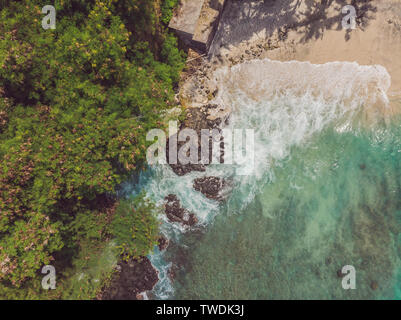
[135,279]
[197,89]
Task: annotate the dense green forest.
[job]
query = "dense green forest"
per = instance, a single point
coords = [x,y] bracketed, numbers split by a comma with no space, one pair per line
[76,103]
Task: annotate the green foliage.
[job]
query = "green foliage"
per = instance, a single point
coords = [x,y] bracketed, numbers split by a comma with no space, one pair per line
[173,57]
[136,227]
[75,106]
[167,10]
[91,271]
[27,242]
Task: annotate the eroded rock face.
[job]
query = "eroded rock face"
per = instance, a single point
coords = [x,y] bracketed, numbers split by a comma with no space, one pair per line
[197,119]
[175,213]
[210,187]
[133,278]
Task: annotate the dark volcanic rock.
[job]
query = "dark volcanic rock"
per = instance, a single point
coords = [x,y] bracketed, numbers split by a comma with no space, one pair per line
[183,169]
[211,187]
[163,243]
[175,213]
[133,278]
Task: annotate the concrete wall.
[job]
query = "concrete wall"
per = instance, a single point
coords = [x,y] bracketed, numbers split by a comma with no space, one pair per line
[196,22]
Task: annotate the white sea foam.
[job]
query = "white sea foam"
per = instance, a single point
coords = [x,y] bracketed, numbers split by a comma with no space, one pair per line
[163,289]
[288,102]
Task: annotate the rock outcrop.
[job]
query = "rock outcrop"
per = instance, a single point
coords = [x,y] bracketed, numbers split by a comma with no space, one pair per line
[175,213]
[163,243]
[210,187]
[197,119]
[132,278]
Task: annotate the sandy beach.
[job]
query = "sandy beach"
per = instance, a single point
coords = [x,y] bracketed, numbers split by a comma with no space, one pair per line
[313,34]
[308,31]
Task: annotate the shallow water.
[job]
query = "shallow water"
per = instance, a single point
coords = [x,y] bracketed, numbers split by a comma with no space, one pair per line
[333,203]
[324,192]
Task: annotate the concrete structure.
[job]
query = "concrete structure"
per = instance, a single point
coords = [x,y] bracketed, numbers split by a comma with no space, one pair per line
[196,22]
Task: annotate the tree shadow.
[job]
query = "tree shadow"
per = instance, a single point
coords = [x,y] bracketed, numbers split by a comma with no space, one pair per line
[244,19]
[316,18]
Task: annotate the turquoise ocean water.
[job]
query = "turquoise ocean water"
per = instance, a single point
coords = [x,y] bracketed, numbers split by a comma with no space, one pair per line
[333,203]
[325,191]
